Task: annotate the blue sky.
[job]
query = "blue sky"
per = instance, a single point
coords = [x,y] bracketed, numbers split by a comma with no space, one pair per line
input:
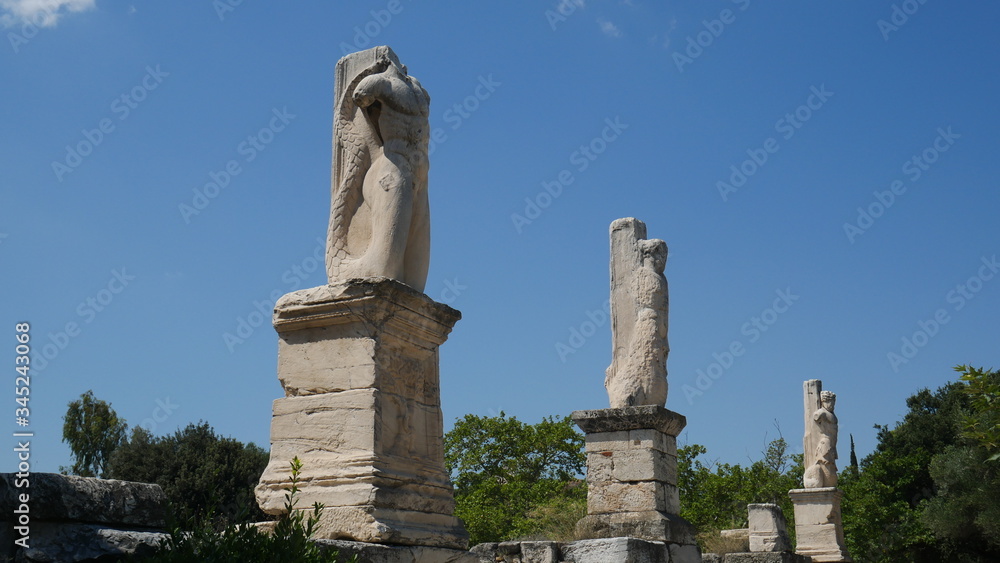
[822,181]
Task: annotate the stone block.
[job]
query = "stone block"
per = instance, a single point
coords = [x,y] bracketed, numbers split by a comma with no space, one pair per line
[63,541]
[685,554]
[819,532]
[85,499]
[764,557]
[379,553]
[608,497]
[359,365]
[539,552]
[630,418]
[643,465]
[617,550]
[649,525]
[767,528]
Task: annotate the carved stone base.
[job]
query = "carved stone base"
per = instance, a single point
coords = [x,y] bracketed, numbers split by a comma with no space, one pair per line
[632,475]
[819,532]
[359,365]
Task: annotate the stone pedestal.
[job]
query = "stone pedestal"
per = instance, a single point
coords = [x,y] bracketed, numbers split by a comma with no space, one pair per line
[767,528]
[632,475]
[819,532]
[359,365]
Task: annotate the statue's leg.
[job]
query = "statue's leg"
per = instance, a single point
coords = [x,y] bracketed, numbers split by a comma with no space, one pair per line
[418,243]
[387,189]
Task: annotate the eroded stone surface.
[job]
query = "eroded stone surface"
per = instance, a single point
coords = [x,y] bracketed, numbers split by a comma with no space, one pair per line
[648,417]
[819,532]
[70,542]
[85,499]
[767,529]
[359,365]
[377,553]
[379,218]
[820,440]
[639,306]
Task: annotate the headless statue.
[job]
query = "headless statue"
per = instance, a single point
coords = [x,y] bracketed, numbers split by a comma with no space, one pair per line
[380,219]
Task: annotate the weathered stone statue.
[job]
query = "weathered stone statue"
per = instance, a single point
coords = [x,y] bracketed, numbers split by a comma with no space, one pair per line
[823,471]
[379,219]
[818,528]
[358,358]
[639,306]
[631,448]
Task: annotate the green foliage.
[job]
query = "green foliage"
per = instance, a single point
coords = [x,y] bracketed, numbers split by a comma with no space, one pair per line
[199,471]
[982,424]
[503,469]
[926,493]
[965,510]
[715,496]
[556,519]
[93,431]
[288,543]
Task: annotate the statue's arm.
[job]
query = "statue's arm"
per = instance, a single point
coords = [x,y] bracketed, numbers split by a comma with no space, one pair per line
[370,89]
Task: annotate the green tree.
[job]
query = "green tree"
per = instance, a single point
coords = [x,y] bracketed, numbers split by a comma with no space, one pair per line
[925,493]
[715,496]
[199,471]
[509,475]
[982,424]
[93,431]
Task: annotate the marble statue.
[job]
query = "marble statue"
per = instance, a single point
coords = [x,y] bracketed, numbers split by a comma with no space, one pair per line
[639,305]
[379,219]
[822,470]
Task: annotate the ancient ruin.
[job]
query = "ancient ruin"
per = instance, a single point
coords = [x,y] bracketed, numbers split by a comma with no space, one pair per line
[632,446]
[358,358]
[818,528]
[639,308]
[379,216]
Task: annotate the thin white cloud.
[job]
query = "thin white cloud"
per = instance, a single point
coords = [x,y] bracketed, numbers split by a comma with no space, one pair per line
[42,13]
[608,28]
[665,38]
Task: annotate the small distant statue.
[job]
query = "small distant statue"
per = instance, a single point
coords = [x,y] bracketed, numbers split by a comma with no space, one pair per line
[823,472]
[380,219]
[639,307]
